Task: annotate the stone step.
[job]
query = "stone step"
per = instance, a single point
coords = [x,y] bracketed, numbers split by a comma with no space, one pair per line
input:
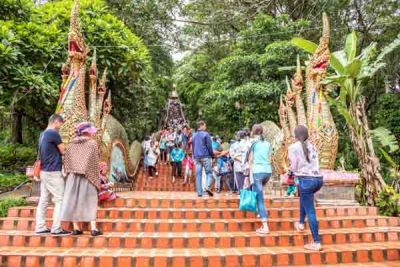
[190,200]
[201,213]
[245,257]
[199,239]
[207,225]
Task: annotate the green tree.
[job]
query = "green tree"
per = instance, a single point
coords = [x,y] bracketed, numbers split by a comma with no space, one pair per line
[32,55]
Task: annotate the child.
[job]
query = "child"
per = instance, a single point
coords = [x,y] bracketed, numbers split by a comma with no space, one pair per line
[176,158]
[163,149]
[225,171]
[292,182]
[189,167]
[152,156]
[106,193]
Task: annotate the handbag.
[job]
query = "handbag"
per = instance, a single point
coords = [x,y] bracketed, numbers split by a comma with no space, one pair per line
[248,200]
[33,172]
[107,195]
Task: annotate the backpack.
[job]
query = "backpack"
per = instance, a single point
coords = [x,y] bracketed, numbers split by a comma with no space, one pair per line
[224,166]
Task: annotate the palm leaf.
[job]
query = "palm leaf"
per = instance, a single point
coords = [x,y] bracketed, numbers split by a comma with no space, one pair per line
[384,137]
[304,44]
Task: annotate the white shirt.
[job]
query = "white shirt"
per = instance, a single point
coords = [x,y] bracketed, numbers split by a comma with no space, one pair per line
[298,162]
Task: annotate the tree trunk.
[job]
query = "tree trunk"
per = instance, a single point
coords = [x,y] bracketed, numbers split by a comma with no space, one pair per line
[16,127]
[371,178]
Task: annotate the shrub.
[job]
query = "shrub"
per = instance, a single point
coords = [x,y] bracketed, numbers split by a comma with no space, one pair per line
[16,157]
[388,202]
[7,203]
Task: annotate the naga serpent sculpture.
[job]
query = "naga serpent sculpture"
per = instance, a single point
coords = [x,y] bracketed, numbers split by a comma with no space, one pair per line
[111,136]
[319,120]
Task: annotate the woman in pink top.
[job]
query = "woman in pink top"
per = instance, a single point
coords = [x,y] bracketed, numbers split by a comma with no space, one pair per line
[304,164]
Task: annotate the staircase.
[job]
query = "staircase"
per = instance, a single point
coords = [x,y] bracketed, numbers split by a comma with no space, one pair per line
[175,228]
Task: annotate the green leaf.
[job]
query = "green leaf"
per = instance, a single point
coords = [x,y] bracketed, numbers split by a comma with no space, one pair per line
[337,61]
[385,137]
[304,44]
[354,67]
[350,47]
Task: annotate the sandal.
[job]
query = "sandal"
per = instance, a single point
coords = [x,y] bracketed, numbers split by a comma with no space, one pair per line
[262,231]
[299,227]
[313,246]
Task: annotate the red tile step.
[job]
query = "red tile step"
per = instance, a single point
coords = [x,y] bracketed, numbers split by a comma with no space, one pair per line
[199,239]
[245,257]
[206,225]
[201,213]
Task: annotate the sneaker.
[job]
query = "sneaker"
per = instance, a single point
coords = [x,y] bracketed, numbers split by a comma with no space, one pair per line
[62,233]
[199,195]
[173,179]
[209,192]
[156,173]
[313,246]
[262,231]
[96,232]
[41,232]
[77,232]
[299,227]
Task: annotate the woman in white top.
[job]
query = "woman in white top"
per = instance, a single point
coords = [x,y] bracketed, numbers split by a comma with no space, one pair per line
[304,164]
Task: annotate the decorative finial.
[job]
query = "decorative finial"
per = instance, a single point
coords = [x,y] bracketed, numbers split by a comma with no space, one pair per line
[325,25]
[93,66]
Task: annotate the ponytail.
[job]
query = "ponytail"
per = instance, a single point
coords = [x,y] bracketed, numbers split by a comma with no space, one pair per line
[301,134]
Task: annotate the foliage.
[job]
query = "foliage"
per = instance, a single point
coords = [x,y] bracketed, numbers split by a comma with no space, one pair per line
[245,83]
[13,157]
[7,203]
[11,180]
[33,55]
[389,202]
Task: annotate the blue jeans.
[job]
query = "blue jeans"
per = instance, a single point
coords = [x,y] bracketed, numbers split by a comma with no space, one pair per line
[205,163]
[260,179]
[308,186]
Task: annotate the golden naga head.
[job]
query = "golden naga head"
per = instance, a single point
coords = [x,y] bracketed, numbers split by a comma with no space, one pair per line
[93,67]
[282,112]
[297,81]
[320,58]
[290,96]
[77,49]
[102,84]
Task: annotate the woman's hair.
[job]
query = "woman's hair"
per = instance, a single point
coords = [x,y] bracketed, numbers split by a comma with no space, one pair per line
[257,130]
[301,134]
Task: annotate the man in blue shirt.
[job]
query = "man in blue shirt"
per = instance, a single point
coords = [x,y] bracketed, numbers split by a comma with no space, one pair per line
[202,154]
[51,149]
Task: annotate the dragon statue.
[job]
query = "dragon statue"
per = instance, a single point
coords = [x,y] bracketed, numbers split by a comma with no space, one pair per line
[318,118]
[111,136]
[315,115]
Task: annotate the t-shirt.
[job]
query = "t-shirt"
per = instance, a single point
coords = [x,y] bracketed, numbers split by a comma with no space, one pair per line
[261,157]
[50,155]
[298,162]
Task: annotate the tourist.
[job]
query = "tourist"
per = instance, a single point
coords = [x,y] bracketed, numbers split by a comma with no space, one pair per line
[260,172]
[51,149]
[152,156]
[145,147]
[163,149]
[304,164]
[177,155]
[225,171]
[238,153]
[189,167]
[178,136]
[217,150]
[202,154]
[81,166]
[171,138]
